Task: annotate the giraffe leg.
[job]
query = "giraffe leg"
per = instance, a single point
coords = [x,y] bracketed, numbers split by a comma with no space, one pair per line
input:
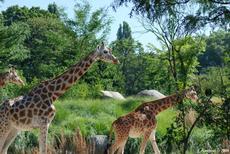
[154,143]
[10,138]
[144,142]
[122,148]
[3,136]
[4,131]
[119,143]
[43,138]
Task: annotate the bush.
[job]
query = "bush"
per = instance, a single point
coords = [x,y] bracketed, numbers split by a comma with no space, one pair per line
[81,90]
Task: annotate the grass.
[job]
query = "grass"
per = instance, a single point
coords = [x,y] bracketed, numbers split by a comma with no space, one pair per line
[96,116]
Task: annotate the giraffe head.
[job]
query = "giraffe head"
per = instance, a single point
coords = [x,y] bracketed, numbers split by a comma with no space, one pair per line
[13,77]
[190,93]
[105,54]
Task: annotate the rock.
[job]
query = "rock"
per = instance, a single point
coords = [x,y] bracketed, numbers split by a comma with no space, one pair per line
[99,142]
[152,93]
[112,94]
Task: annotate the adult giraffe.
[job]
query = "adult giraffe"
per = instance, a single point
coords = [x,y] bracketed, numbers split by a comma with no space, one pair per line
[36,109]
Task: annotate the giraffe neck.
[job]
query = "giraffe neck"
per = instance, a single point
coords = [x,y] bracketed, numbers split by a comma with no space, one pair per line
[3,79]
[59,85]
[168,102]
[2,83]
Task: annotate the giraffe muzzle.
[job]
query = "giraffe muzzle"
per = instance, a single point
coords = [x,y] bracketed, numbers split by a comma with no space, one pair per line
[116,61]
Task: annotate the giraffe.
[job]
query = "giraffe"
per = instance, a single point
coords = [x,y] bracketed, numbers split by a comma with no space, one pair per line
[36,109]
[142,122]
[10,76]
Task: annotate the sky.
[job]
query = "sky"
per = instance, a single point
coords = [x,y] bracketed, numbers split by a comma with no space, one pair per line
[122,14]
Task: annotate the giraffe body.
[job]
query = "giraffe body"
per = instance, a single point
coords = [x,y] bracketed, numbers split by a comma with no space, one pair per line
[36,109]
[142,122]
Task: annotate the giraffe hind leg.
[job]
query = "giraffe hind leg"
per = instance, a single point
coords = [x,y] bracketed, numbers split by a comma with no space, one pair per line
[122,148]
[119,144]
[154,143]
[144,142]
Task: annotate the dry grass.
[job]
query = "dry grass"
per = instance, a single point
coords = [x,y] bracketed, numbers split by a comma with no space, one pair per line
[77,144]
[81,144]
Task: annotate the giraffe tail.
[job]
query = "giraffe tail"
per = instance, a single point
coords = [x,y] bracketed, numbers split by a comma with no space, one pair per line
[110,139]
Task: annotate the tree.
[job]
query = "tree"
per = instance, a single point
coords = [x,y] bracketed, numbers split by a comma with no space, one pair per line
[16,13]
[216,52]
[211,11]
[12,48]
[53,8]
[124,31]
[181,52]
[128,51]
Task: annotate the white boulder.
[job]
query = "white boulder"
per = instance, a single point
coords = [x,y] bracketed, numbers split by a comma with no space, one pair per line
[151,93]
[112,94]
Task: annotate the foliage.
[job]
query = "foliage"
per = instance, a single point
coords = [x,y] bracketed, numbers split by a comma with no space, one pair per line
[208,11]
[129,54]
[15,14]
[217,50]
[43,36]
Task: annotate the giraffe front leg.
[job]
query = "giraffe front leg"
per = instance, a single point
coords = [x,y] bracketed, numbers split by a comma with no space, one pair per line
[43,138]
[10,138]
[4,131]
[3,136]
[144,142]
[154,143]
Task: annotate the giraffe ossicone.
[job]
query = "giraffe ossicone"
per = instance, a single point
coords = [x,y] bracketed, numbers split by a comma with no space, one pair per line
[36,109]
[142,122]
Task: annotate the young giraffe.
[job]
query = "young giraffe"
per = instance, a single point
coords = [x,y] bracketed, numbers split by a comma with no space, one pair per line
[36,109]
[142,122]
[10,76]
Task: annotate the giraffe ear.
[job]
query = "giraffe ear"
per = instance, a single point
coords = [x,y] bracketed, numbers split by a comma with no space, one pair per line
[98,47]
[102,44]
[9,70]
[110,49]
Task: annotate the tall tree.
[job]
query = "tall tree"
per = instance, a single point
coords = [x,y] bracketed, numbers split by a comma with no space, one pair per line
[53,8]
[124,31]
[128,51]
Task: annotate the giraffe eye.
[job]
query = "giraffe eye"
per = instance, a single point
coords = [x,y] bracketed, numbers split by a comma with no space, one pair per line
[105,51]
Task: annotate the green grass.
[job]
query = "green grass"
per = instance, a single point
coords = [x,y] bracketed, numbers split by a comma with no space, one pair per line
[96,116]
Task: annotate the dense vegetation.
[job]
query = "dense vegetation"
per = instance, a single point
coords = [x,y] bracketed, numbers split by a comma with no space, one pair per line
[43,43]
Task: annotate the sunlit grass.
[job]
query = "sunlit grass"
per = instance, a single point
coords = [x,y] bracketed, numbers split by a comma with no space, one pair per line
[95,116]
[165,119]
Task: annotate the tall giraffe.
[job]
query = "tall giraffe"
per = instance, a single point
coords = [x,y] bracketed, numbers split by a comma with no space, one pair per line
[36,109]
[142,122]
[10,76]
